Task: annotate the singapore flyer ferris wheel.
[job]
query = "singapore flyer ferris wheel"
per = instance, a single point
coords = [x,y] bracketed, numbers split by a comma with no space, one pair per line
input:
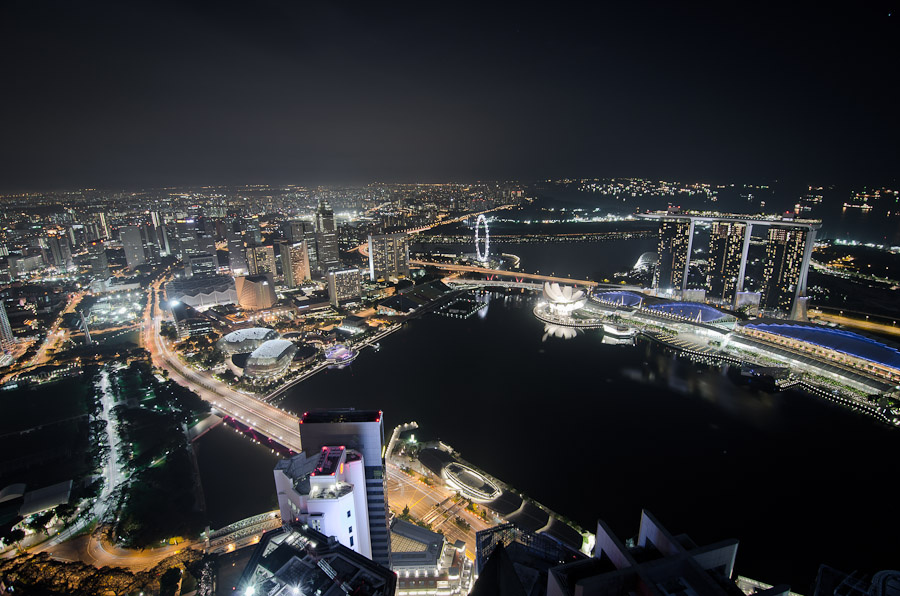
[482,242]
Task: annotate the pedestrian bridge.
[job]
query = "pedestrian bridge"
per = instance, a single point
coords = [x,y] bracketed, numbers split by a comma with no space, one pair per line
[491,283]
[246,532]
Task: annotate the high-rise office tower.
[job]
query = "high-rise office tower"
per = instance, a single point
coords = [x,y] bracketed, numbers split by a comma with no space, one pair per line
[726,243]
[252,232]
[60,253]
[327,239]
[325,217]
[294,263]
[76,235]
[200,263]
[261,259]
[206,244]
[675,238]
[237,257]
[343,285]
[388,255]
[91,232]
[104,227]
[133,245]
[294,230]
[784,273]
[99,262]
[312,248]
[6,335]
[362,431]
[162,239]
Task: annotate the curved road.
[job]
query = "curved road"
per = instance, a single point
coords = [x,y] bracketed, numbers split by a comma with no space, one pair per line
[260,416]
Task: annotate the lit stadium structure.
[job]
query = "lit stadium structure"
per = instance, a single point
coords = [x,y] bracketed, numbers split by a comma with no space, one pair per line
[271,359]
[470,482]
[693,311]
[563,299]
[242,341]
[483,257]
[825,343]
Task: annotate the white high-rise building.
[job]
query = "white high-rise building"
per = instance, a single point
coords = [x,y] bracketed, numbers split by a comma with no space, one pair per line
[327,490]
[388,255]
[342,463]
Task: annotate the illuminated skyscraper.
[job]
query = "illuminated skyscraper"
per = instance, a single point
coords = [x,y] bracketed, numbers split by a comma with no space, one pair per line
[388,255]
[675,238]
[6,335]
[294,230]
[726,244]
[789,247]
[261,259]
[786,265]
[133,245]
[252,233]
[343,285]
[60,253]
[104,227]
[99,262]
[237,258]
[327,239]
[294,263]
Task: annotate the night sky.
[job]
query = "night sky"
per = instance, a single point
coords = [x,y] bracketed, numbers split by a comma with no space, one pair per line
[131,94]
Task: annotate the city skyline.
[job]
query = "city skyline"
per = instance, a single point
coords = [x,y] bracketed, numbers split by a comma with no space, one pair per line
[428,300]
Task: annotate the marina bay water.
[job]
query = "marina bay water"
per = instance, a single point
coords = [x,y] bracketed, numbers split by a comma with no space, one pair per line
[600,431]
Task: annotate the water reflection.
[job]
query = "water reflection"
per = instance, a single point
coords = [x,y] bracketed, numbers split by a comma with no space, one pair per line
[484,297]
[551,330]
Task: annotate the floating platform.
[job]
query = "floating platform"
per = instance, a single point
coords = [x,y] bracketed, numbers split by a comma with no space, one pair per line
[461,308]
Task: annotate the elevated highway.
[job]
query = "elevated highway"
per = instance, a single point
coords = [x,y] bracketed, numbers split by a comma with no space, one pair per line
[264,418]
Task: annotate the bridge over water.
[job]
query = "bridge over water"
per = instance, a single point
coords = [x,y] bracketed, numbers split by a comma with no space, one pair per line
[519,279]
[245,532]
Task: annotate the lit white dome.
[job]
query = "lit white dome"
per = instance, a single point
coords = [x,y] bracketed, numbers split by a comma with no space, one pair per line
[563,299]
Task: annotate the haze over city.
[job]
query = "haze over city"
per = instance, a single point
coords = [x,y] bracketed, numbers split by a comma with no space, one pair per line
[190,93]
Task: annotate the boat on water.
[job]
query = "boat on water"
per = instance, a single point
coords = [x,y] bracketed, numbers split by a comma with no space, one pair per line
[620,331]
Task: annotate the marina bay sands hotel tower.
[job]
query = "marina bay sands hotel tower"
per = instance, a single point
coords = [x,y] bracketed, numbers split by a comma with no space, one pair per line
[788,246]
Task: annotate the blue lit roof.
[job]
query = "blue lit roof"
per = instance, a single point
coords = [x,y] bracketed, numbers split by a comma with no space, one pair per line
[619,297]
[690,310]
[839,340]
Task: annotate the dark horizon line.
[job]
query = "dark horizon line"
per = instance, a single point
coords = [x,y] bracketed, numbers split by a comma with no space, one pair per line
[7,193]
